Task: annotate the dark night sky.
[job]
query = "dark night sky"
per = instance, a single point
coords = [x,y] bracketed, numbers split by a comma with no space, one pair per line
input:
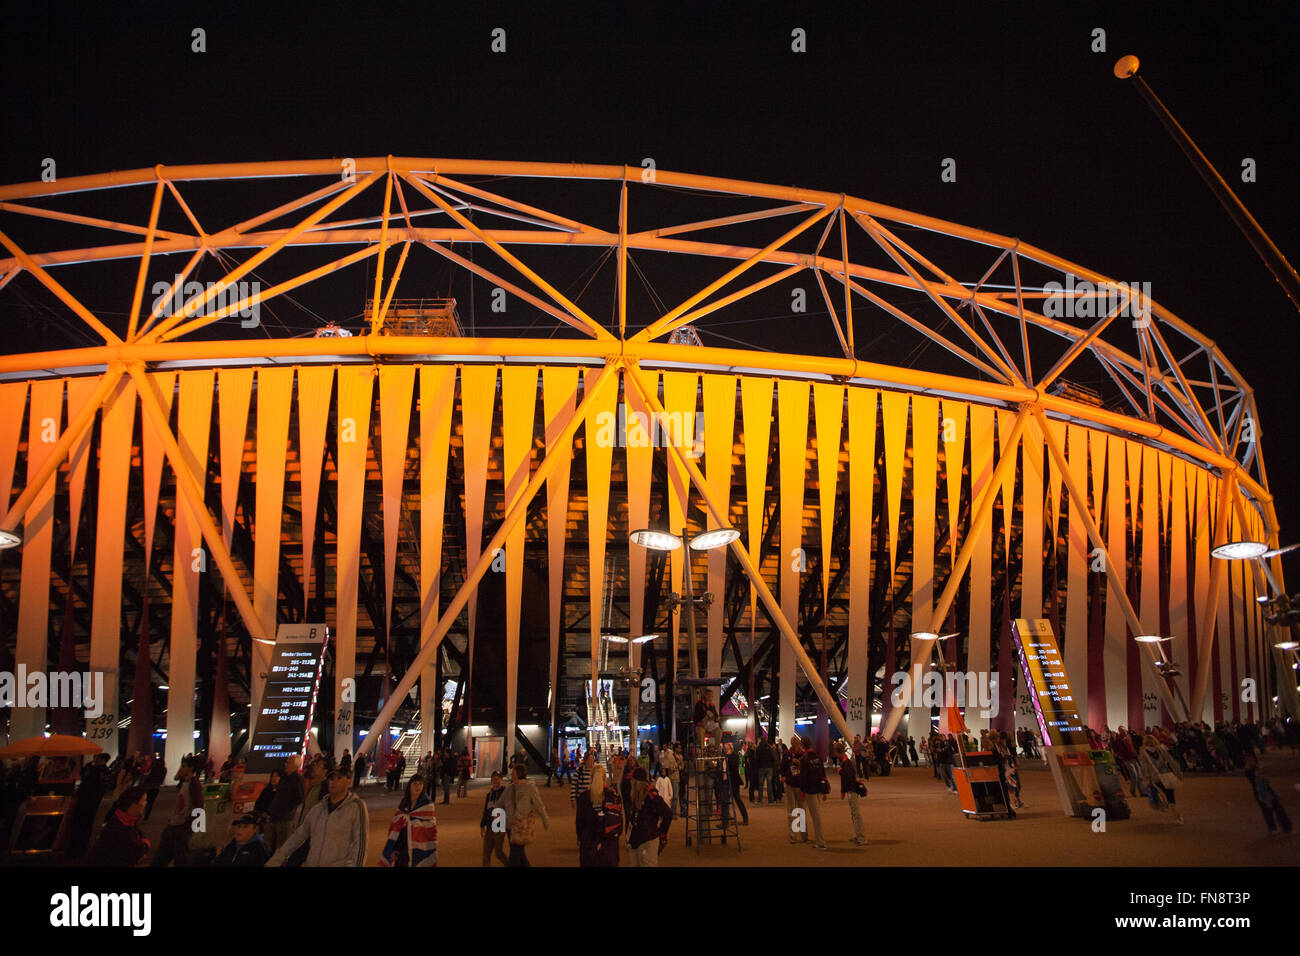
[1050,147]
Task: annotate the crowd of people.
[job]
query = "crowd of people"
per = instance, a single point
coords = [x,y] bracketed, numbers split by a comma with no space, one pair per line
[623,805]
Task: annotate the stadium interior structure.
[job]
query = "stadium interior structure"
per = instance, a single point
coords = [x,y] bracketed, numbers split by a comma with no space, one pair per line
[426,401]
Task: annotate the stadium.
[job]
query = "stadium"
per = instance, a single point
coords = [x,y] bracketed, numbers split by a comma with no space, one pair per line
[426,402]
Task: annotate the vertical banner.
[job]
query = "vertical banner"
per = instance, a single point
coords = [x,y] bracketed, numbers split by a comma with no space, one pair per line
[640,466]
[356,383]
[559,401]
[893,410]
[1076,587]
[1031,511]
[115,441]
[518,409]
[756,411]
[67,720]
[315,387]
[1149,609]
[1115,655]
[151,456]
[80,391]
[953,435]
[792,402]
[274,400]
[828,411]
[719,430]
[437,399]
[478,392]
[1096,683]
[600,438]
[396,388]
[862,478]
[828,417]
[43,430]
[13,399]
[679,429]
[189,563]
[925,483]
[979,655]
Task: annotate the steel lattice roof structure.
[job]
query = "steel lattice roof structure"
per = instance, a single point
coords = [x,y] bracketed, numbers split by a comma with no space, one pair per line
[984,316]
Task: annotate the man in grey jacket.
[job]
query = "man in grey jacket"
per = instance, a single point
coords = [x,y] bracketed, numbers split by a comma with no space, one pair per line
[336,826]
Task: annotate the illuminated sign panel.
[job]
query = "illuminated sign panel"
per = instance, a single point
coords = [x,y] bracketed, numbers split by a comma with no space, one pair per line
[1059,719]
[289,701]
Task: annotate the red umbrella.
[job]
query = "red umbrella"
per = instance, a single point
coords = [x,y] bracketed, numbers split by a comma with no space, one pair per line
[56,745]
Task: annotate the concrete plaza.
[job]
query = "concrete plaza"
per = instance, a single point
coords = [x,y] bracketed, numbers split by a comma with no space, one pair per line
[912,820]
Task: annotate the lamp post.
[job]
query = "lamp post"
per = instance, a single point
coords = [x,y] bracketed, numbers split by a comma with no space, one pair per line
[1284,610]
[1167,671]
[705,541]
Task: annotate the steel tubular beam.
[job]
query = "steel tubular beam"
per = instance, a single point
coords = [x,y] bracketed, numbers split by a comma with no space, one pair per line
[188,488]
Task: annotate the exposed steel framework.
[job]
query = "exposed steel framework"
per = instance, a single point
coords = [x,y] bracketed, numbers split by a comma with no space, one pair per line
[1180,393]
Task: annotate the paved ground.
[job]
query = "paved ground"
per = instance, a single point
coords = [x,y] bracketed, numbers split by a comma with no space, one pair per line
[912,820]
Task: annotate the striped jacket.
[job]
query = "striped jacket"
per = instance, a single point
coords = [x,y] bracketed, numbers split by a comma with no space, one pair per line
[581,781]
[421,826]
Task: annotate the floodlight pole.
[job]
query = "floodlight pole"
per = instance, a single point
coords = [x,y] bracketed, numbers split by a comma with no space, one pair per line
[1283,272]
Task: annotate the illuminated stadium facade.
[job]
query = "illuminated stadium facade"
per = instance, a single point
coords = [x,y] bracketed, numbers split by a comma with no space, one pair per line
[985,432]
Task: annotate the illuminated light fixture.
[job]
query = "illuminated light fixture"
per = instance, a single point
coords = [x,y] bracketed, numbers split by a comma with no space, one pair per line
[644,638]
[9,540]
[1274,552]
[655,540]
[614,638]
[1150,638]
[1287,645]
[1263,599]
[1240,550]
[717,538]
[925,636]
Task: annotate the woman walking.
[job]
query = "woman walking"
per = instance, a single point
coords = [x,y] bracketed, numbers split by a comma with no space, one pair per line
[599,821]
[413,834]
[1160,772]
[523,806]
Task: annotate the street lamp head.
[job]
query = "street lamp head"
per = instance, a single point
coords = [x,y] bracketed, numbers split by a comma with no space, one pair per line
[1240,550]
[655,540]
[614,638]
[644,638]
[1287,645]
[1151,638]
[717,538]
[1126,66]
[8,539]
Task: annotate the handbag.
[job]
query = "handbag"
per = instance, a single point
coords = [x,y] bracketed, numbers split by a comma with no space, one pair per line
[521,831]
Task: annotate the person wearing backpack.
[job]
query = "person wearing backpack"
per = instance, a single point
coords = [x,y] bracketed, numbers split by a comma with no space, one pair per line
[651,818]
[599,822]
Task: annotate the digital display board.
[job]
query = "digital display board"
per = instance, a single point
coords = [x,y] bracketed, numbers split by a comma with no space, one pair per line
[1059,719]
[289,700]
